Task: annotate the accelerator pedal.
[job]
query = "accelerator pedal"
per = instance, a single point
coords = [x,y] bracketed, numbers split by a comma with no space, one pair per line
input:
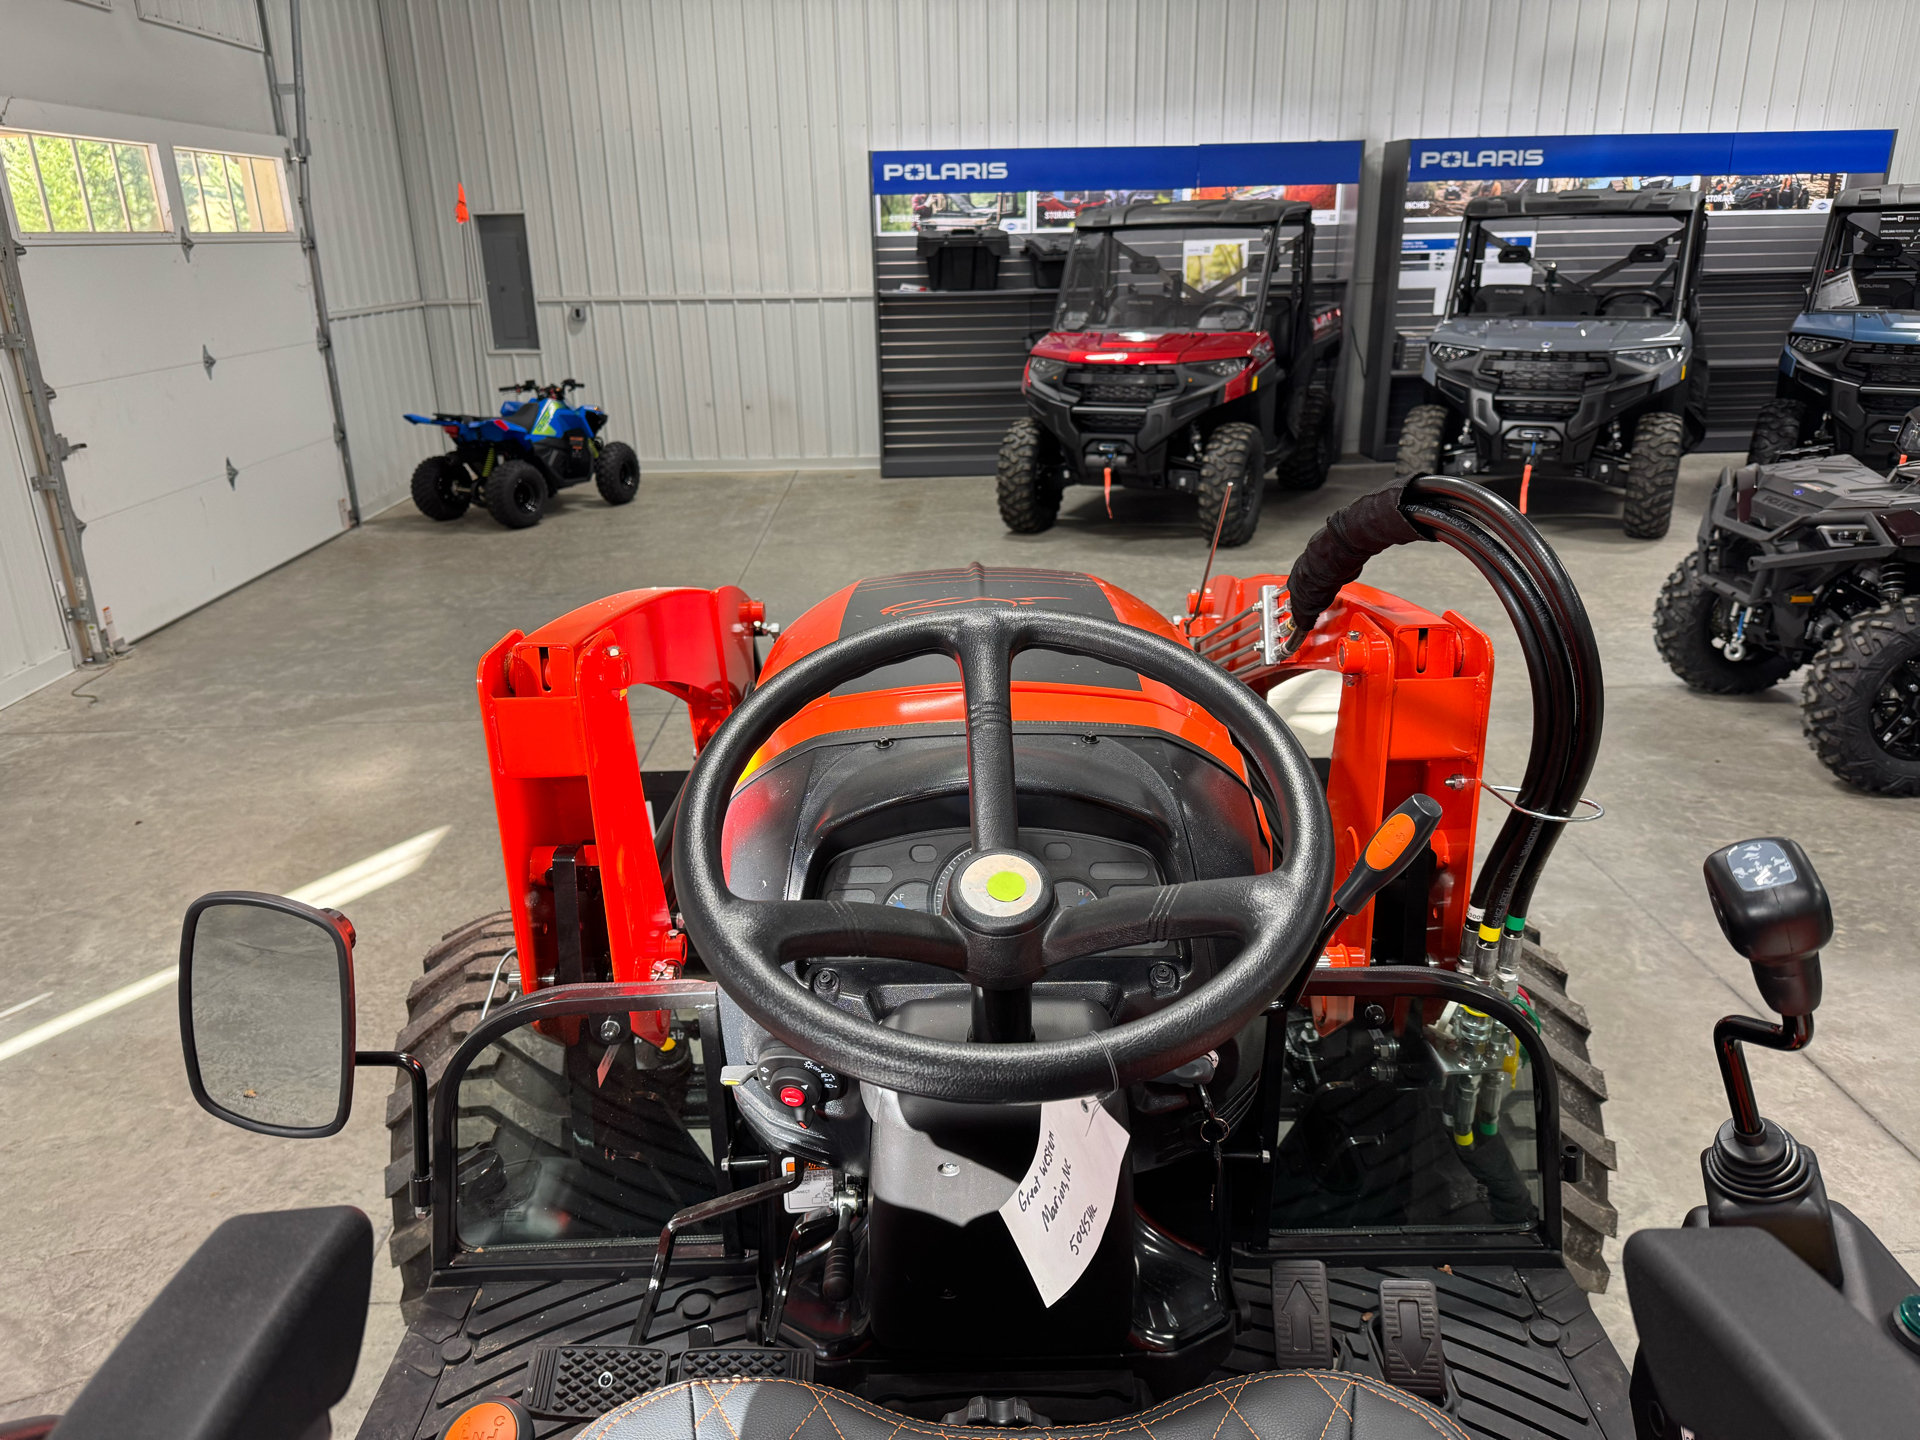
[755,1363]
[1302,1338]
[1410,1321]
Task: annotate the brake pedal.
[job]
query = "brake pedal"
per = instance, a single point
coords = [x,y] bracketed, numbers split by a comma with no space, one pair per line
[1302,1338]
[1410,1322]
[709,1363]
[580,1383]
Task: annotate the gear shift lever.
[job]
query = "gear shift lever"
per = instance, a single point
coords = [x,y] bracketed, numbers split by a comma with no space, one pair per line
[1774,910]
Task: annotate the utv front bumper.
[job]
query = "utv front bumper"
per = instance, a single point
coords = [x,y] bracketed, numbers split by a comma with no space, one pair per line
[1548,406]
[1866,390]
[1137,420]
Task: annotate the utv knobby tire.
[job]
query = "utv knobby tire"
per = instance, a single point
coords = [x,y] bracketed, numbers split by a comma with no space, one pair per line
[1029,502]
[1777,428]
[1688,617]
[433,488]
[516,494]
[1306,466]
[1422,432]
[1233,457]
[1654,465]
[1586,1214]
[442,1007]
[1859,708]
[617,473]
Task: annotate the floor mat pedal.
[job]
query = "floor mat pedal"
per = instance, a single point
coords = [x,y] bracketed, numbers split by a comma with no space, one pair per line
[578,1383]
[754,1362]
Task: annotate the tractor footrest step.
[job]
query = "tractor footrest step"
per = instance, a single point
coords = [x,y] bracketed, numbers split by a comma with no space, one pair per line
[1301,1334]
[1411,1337]
[579,1383]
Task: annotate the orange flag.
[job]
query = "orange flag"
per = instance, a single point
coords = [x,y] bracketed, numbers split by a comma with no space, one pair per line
[460,206]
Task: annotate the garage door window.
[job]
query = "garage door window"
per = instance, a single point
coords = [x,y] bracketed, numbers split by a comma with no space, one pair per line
[231,194]
[70,184]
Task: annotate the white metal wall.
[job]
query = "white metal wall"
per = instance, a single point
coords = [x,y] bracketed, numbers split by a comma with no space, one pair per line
[693,172]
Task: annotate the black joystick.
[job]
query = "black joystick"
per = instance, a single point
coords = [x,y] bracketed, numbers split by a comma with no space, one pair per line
[1774,910]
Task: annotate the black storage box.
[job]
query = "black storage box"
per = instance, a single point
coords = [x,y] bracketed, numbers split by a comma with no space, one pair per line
[1046,259]
[963,259]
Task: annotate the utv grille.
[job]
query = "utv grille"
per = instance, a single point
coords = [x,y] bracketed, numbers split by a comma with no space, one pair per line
[1141,385]
[1511,407]
[1109,422]
[1549,370]
[1888,402]
[1884,364]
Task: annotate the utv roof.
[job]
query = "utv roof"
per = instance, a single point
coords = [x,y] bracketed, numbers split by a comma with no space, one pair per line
[1879,197]
[1197,212]
[1587,202]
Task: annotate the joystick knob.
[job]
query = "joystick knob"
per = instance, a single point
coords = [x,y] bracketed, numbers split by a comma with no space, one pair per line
[1774,910]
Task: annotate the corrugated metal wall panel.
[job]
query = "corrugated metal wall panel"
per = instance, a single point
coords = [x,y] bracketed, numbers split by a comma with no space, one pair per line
[237,22]
[694,171]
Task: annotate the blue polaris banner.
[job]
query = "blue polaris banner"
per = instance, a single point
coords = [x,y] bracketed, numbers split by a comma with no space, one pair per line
[1131,167]
[1739,152]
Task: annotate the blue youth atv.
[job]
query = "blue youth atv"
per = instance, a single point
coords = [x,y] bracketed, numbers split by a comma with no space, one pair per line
[1850,368]
[512,462]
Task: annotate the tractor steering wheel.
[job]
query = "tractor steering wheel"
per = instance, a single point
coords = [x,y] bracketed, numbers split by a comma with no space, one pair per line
[1654,296]
[1001,931]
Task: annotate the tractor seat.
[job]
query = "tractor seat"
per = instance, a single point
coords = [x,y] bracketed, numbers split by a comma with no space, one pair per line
[525,416]
[1266,1404]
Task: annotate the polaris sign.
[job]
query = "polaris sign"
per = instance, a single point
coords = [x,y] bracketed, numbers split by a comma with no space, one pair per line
[926,172]
[1679,157]
[1117,167]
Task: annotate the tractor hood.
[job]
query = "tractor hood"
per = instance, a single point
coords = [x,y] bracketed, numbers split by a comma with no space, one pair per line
[1883,327]
[1587,332]
[1141,347]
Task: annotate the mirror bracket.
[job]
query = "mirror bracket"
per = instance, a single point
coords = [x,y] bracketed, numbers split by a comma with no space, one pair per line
[420,1186]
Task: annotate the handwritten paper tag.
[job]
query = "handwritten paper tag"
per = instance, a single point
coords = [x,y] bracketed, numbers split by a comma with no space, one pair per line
[1059,1211]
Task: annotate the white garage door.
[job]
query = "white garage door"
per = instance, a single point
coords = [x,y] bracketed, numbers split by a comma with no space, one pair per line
[189,372]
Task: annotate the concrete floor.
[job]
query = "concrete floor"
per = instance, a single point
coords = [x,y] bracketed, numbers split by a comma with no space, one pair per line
[325,712]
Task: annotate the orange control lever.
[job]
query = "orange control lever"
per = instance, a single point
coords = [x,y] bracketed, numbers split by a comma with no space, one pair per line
[1400,838]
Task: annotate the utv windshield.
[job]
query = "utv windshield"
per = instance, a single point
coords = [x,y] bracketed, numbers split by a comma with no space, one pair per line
[1869,262]
[1158,278]
[1625,267]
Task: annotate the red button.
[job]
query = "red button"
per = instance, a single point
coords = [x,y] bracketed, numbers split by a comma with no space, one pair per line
[792,1096]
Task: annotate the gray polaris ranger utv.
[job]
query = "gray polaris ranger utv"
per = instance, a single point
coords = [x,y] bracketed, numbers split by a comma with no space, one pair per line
[1569,347]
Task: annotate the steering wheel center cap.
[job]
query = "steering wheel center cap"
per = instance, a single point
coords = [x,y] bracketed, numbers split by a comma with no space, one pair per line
[999,890]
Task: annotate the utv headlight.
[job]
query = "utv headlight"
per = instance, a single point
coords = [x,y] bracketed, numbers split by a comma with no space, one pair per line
[1445,354]
[1812,345]
[1843,536]
[1045,372]
[1222,369]
[1653,355]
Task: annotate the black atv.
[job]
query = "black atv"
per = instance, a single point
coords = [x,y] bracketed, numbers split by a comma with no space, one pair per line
[1188,353]
[1851,364]
[1811,562]
[1596,374]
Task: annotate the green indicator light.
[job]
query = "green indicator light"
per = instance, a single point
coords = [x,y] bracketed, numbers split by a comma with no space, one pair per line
[1006,885]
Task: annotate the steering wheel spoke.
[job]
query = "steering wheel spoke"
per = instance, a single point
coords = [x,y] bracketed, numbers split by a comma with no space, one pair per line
[812,930]
[1179,912]
[986,669]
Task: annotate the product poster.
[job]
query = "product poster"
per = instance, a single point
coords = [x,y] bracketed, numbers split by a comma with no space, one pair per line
[1732,194]
[1056,210]
[900,214]
[1208,262]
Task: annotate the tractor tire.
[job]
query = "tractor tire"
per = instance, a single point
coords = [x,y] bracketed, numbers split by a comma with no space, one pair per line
[1029,502]
[1688,618]
[433,488]
[1421,436]
[1305,467]
[1654,464]
[1586,1214]
[1859,708]
[1233,457]
[617,473]
[442,1008]
[516,494]
[1777,428]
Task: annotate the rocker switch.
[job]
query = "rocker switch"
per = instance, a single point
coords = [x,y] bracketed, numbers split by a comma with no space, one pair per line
[1410,1322]
[1301,1335]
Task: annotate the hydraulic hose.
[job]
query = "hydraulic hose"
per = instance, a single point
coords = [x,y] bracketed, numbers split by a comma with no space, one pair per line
[1557,645]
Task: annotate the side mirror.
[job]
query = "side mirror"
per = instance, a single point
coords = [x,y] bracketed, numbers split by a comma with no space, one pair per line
[1515,255]
[267,1012]
[1648,254]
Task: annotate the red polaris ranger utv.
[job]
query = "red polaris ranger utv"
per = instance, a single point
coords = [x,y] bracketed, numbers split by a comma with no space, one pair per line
[1188,353]
[1007,1027]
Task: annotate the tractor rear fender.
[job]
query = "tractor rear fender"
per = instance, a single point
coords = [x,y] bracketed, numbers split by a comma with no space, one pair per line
[566,777]
[1416,688]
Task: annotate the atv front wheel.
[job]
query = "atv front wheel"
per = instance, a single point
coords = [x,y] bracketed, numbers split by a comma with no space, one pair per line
[617,473]
[516,494]
[1306,466]
[1654,465]
[1233,457]
[1859,708]
[433,488]
[1777,428]
[1029,501]
[1421,436]
[1690,617]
